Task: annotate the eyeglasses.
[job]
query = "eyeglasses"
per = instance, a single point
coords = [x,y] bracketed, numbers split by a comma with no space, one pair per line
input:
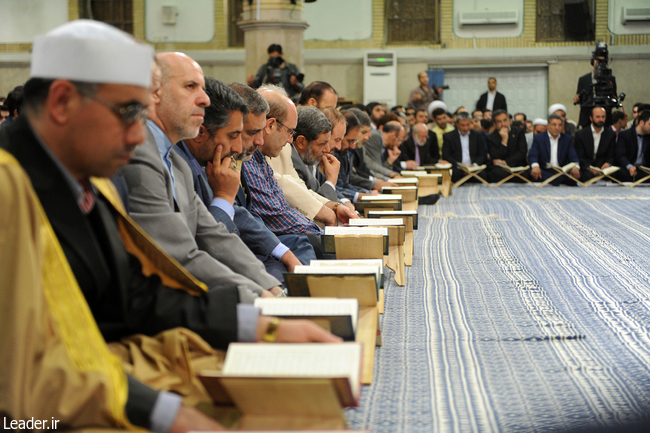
[351,142]
[289,130]
[131,113]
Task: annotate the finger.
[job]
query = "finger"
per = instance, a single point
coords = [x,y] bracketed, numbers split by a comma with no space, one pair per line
[216,160]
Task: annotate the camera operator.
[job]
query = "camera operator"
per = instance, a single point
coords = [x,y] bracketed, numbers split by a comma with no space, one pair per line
[597,88]
[279,72]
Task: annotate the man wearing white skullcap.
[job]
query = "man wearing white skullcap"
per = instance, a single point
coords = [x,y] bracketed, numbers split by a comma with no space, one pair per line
[560,110]
[84,108]
[82,117]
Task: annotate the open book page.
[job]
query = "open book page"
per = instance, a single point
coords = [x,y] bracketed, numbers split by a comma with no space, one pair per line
[310,307]
[443,166]
[334,230]
[405,181]
[471,168]
[398,188]
[567,168]
[395,212]
[381,197]
[307,360]
[606,171]
[379,263]
[360,222]
[513,169]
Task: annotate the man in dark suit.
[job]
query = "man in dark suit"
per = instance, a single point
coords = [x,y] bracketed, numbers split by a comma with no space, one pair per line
[506,146]
[463,146]
[83,118]
[219,186]
[595,145]
[553,148]
[492,100]
[421,148]
[632,148]
[585,88]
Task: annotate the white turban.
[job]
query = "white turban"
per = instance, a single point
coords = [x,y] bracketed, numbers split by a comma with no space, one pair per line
[92,52]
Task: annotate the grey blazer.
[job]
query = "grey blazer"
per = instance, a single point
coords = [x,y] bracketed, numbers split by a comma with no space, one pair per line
[372,151]
[308,177]
[185,228]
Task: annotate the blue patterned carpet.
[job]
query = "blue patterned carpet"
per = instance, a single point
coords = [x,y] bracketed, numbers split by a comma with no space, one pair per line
[526,309]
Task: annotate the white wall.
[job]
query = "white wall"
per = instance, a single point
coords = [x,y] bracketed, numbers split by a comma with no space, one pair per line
[333,20]
[21,20]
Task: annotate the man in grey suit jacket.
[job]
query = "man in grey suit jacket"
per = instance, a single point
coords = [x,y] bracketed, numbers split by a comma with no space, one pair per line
[220,140]
[161,193]
[377,150]
[310,147]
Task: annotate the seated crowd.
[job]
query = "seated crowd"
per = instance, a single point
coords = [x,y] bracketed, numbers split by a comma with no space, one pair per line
[217,190]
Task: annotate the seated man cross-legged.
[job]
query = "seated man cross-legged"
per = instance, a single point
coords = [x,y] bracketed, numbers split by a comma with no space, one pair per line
[556,149]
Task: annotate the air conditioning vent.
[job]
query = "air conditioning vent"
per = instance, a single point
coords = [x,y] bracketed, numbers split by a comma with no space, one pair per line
[635,15]
[482,18]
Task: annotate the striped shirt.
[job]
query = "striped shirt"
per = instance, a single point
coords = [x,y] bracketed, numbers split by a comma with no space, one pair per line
[268,200]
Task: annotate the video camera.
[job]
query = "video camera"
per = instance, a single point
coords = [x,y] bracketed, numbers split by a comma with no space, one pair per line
[602,91]
[274,71]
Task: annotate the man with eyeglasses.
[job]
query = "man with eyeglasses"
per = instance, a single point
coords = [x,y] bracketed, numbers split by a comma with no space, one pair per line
[161,193]
[280,130]
[343,154]
[210,156]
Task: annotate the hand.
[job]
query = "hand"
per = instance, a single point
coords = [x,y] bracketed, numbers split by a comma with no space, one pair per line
[633,171]
[350,205]
[296,331]
[267,294]
[411,165]
[393,154]
[594,172]
[326,215]
[343,214]
[290,261]
[190,419]
[223,179]
[250,80]
[576,99]
[442,161]
[330,166]
[499,161]
[417,97]
[575,172]
[394,175]
[503,132]
[536,173]
[293,80]
[605,165]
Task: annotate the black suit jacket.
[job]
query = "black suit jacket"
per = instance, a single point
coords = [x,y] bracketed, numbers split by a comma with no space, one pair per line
[627,148]
[583,143]
[499,102]
[452,150]
[514,154]
[429,153]
[122,299]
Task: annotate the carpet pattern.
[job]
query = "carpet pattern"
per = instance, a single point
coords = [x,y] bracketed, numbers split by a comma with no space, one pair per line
[526,309]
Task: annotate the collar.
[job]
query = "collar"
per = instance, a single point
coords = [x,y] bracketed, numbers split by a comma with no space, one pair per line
[73,184]
[162,141]
[593,130]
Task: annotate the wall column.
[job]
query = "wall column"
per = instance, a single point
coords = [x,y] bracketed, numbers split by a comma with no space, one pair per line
[280,22]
